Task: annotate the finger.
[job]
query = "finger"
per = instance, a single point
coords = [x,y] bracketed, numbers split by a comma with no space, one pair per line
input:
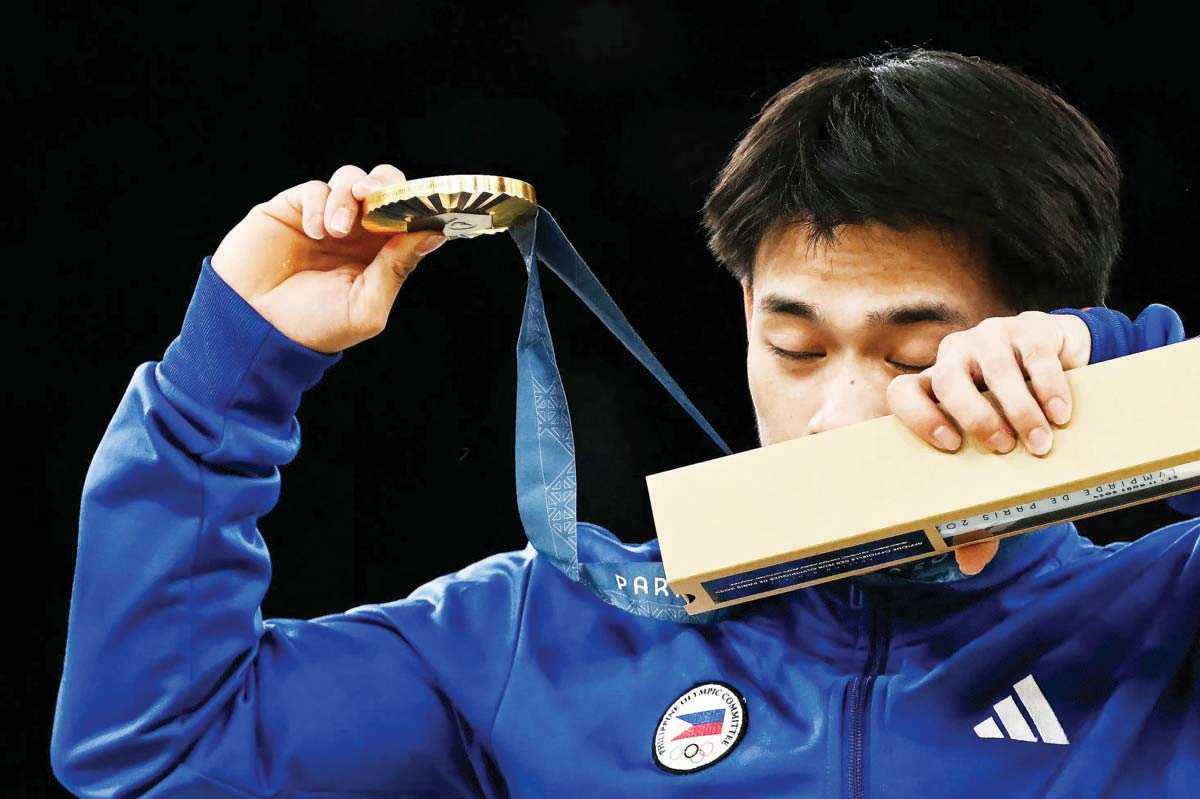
[380,176]
[375,291]
[997,362]
[973,557]
[364,186]
[960,398]
[1039,358]
[910,398]
[387,174]
[341,207]
[312,197]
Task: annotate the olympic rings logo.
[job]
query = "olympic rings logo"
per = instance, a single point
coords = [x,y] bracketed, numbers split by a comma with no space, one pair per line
[693,752]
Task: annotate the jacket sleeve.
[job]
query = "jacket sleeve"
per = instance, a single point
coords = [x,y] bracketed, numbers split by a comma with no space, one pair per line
[1114,334]
[173,685]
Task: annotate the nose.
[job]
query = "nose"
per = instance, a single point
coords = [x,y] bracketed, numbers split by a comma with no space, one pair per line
[848,395]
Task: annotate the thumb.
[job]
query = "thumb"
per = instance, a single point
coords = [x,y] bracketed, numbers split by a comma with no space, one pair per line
[382,278]
[973,557]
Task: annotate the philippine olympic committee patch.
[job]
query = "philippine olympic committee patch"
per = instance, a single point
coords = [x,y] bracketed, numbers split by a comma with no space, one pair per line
[699,728]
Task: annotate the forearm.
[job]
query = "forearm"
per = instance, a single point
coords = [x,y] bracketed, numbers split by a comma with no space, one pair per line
[171,569]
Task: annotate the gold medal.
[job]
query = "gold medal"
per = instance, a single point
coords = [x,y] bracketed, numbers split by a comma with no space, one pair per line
[460,206]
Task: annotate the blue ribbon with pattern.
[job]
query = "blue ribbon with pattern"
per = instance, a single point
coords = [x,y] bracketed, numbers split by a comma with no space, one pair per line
[545,445]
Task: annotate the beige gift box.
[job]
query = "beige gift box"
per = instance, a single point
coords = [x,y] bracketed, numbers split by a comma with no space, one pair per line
[872,495]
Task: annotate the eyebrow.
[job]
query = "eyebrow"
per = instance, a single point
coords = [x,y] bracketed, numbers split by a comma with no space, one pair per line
[889,316]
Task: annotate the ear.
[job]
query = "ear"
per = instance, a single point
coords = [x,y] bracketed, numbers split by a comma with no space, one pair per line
[748,303]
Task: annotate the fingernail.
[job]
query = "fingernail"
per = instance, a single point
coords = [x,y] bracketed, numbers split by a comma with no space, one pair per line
[1058,411]
[315,225]
[1039,441]
[946,438]
[430,244]
[1001,441]
[341,220]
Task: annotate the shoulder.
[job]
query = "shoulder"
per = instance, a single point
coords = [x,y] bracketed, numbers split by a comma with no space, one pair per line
[505,574]
[1174,548]
[467,617]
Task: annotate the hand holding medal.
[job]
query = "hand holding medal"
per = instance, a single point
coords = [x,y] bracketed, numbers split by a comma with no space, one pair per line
[306,265]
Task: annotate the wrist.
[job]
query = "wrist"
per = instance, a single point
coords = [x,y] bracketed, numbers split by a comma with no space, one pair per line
[1077,346]
[227,357]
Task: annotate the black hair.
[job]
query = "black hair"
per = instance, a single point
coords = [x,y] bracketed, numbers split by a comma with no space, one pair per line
[935,139]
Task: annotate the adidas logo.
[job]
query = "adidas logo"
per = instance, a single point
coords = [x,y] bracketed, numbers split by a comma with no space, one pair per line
[1036,706]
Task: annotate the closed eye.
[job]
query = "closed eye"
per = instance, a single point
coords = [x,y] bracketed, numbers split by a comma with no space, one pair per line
[795,356]
[804,356]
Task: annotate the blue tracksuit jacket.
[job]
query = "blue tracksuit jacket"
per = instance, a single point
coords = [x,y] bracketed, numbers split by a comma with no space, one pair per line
[1064,669]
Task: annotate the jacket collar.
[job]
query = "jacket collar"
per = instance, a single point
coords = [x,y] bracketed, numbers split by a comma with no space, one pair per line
[835,604]
[1019,556]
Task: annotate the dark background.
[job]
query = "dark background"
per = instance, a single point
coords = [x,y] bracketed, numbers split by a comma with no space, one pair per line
[143,135]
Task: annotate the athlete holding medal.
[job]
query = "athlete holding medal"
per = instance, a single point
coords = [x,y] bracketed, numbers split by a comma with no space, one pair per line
[907,229]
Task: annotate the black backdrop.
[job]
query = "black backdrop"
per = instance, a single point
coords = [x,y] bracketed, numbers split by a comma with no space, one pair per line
[144,135]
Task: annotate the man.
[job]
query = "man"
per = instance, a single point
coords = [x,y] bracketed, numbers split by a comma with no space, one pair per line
[900,225]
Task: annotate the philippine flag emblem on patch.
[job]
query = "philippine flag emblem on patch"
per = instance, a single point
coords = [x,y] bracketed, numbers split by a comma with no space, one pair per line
[699,728]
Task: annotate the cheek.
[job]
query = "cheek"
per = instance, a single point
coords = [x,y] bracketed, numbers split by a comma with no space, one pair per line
[762,375]
[783,401]
[772,377]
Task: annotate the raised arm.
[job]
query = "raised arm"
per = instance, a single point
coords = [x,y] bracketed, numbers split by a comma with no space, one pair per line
[173,685]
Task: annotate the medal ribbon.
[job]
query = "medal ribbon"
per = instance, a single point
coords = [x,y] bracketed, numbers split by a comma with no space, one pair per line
[545,445]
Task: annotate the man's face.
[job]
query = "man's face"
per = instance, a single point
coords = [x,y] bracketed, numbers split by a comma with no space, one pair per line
[861,311]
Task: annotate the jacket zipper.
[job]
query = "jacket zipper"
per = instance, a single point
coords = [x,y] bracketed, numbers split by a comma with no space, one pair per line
[859,696]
